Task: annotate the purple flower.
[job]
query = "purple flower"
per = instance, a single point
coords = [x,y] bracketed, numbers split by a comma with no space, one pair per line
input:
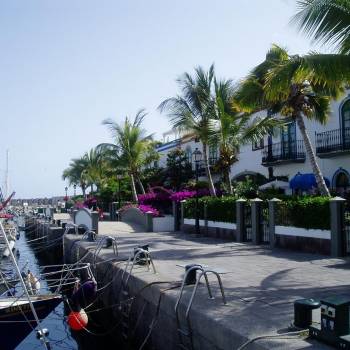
[181,195]
[149,209]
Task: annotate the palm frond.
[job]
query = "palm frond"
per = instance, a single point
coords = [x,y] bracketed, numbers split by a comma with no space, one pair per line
[327,21]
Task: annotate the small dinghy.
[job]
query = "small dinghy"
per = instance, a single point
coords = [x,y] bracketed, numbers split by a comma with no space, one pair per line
[17,319]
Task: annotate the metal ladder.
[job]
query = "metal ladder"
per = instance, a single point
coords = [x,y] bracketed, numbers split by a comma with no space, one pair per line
[139,255]
[183,332]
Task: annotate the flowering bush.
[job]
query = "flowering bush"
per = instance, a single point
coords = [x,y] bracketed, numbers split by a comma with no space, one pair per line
[90,202]
[143,207]
[149,209]
[79,205]
[181,195]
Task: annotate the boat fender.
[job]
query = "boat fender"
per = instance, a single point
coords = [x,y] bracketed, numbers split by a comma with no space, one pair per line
[85,294]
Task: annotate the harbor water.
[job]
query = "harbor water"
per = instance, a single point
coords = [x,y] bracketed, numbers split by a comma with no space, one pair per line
[60,335]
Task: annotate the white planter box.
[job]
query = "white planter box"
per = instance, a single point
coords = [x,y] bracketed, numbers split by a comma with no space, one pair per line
[302,232]
[163,224]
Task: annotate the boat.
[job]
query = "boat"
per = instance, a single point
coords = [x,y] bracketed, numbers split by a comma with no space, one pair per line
[20,315]
[17,319]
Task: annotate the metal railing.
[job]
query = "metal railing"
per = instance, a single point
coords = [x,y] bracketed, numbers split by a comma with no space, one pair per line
[283,151]
[333,141]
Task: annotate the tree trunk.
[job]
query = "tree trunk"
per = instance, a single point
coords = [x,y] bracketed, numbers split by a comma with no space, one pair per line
[83,190]
[228,180]
[92,188]
[141,185]
[321,184]
[133,188]
[207,170]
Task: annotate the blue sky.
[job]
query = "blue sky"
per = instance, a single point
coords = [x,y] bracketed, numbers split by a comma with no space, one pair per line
[67,65]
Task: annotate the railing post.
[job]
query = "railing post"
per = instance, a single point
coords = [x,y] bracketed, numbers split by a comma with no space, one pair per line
[94,219]
[205,210]
[182,203]
[176,215]
[149,222]
[273,203]
[337,206]
[256,220]
[240,205]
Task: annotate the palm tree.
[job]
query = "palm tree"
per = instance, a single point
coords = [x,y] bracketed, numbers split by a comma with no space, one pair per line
[326,21]
[130,146]
[94,167]
[193,110]
[234,128]
[75,173]
[296,87]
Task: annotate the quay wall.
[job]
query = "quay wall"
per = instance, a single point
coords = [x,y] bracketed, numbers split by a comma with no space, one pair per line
[149,301]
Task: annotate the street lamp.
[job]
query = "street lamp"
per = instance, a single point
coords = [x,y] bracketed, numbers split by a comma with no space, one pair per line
[197,157]
[66,189]
[75,189]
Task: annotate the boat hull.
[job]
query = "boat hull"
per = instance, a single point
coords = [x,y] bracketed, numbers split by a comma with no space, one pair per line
[13,326]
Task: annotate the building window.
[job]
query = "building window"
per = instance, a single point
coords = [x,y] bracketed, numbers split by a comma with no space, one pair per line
[258,144]
[213,155]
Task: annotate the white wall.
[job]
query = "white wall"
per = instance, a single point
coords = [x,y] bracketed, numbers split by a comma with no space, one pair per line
[250,161]
[163,224]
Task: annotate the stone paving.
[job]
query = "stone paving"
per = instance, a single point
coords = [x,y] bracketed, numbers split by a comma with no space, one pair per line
[260,284]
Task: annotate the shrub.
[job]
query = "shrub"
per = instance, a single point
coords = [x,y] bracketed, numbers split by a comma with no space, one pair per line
[306,212]
[218,208]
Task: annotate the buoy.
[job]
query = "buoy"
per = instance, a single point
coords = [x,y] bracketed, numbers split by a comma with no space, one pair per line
[77,320]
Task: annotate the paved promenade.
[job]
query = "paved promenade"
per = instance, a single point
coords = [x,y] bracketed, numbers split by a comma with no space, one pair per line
[260,284]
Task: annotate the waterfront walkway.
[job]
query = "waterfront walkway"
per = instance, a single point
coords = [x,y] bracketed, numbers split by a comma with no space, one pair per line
[260,284]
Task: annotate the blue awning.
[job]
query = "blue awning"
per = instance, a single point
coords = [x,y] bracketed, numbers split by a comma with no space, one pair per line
[305,182]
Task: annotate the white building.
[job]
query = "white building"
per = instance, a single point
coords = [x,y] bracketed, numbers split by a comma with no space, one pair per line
[283,154]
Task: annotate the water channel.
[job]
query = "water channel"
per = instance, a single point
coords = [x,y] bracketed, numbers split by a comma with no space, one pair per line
[60,335]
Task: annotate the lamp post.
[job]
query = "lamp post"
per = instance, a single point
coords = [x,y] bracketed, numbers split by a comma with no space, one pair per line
[66,189]
[75,189]
[119,178]
[197,157]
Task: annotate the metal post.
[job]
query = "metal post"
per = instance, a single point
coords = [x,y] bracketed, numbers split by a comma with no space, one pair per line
[119,196]
[182,203]
[337,226]
[176,216]
[206,229]
[197,204]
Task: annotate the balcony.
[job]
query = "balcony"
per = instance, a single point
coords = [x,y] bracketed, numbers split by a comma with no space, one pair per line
[283,152]
[332,143]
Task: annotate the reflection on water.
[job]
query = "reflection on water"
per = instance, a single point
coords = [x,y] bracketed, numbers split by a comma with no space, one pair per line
[60,335]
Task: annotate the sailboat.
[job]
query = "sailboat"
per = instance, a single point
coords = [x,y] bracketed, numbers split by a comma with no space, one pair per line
[20,315]
[17,319]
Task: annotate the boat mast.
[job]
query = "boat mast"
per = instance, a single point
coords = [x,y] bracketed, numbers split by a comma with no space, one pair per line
[7,181]
[45,341]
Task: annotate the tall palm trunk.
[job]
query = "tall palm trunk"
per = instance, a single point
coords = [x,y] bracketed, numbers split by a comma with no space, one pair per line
[141,185]
[321,184]
[83,190]
[133,188]
[227,172]
[207,170]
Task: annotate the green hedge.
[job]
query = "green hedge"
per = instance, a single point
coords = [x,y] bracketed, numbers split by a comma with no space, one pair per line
[305,212]
[218,208]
